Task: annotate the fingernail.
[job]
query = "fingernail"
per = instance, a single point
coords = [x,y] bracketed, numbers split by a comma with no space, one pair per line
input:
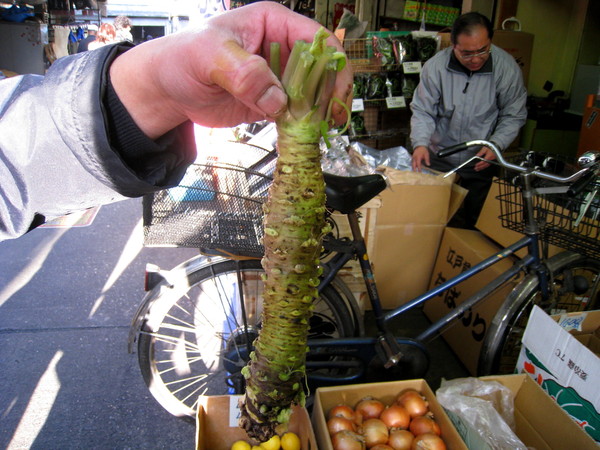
[272,102]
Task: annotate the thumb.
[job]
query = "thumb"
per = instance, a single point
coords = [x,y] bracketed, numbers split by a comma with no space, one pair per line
[248,78]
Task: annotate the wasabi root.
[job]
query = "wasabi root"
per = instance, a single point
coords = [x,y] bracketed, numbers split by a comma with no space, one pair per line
[294,224]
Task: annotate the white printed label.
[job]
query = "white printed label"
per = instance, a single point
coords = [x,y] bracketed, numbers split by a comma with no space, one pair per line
[234,411]
[412,67]
[395,102]
[358,105]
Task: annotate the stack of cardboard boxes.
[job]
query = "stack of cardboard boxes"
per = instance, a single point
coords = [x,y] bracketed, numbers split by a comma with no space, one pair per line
[565,365]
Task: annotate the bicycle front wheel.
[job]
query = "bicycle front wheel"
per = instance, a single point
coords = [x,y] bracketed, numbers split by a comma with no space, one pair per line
[194,338]
[574,285]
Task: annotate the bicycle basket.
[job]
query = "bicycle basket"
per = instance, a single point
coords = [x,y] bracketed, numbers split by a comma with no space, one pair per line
[571,223]
[217,207]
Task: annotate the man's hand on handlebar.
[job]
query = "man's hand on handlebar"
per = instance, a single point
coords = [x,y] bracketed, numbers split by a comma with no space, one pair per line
[420,156]
[485,153]
[591,162]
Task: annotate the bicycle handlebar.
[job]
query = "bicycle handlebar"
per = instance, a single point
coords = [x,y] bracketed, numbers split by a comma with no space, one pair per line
[502,162]
[579,186]
[452,150]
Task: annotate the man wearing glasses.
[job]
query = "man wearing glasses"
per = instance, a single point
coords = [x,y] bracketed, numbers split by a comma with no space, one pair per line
[471,90]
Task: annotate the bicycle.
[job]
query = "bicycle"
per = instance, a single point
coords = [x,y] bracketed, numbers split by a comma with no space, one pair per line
[185,351]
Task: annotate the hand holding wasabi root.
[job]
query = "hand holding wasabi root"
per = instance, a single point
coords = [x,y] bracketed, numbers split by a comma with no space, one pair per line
[216,75]
[293,228]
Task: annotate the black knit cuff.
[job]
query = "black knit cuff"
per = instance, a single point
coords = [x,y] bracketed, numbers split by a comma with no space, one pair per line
[161,162]
[125,136]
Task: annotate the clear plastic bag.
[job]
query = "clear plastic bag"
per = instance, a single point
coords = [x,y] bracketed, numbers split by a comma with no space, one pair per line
[337,160]
[357,159]
[487,407]
[395,157]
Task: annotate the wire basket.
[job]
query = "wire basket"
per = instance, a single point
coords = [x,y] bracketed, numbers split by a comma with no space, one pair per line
[217,207]
[571,223]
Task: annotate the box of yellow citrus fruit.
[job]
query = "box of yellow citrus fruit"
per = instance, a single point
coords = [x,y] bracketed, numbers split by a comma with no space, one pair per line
[217,428]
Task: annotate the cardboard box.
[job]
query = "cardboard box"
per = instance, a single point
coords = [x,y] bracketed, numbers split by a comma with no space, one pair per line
[519,44]
[460,250]
[563,366]
[404,235]
[445,39]
[490,224]
[402,228]
[540,423]
[217,424]
[328,397]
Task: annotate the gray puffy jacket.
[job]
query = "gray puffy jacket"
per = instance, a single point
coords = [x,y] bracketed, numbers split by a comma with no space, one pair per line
[60,150]
[451,106]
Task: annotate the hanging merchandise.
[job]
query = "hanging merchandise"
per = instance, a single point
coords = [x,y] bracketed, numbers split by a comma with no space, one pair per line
[61,41]
[387,66]
[409,84]
[357,125]
[16,13]
[427,44]
[405,48]
[375,87]
[359,85]
[394,83]
[383,50]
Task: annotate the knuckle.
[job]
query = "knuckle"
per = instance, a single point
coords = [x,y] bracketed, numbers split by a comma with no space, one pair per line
[246,80]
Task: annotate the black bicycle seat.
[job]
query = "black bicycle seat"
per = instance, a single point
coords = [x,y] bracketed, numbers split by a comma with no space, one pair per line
[346,194]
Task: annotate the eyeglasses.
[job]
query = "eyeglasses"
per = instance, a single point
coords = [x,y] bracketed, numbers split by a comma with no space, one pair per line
[468,56]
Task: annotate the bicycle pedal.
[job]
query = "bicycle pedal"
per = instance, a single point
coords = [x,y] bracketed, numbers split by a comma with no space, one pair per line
[388,351]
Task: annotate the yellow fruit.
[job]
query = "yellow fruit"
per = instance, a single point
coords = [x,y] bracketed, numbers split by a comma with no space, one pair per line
[290,441]
[256,447]
[272,444]
[241,445]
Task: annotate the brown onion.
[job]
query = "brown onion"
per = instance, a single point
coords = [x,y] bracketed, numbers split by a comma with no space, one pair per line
[401,439]
[424,424]
[369,408]
[375,432]
[381,447]
[413,402]
[347,440]
[344,411]
[428,441]
[395,416]
[336,424]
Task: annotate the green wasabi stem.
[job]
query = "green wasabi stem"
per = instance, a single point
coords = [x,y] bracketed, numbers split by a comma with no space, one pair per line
[299,100]
[299,47]
[303,76]
[309,78]
[275,64]
[325,123]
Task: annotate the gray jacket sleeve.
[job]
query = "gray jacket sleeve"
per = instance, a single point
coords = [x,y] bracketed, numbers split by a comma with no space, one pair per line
[512,104]
[424,105]
[60,151]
